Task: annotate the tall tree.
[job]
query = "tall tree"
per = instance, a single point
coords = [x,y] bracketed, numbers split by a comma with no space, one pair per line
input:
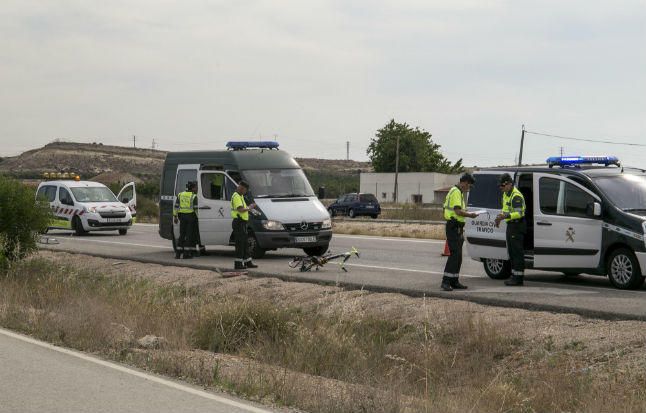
[417,151]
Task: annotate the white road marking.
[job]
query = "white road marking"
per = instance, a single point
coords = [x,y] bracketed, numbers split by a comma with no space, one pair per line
[123,369]
[409,270]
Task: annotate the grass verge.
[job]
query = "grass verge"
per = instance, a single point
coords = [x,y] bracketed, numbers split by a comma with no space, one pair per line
[326,357]
[383,229]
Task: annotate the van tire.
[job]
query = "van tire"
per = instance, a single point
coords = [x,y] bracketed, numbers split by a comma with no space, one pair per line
[497,269]
[77,226]
[374,216]
[254,249]
[623,270]
[351,213]
[123,231]
[331,212]
[316,251]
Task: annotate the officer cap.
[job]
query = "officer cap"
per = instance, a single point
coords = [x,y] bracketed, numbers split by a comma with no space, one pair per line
[505,178]
[467,177]
[244,183]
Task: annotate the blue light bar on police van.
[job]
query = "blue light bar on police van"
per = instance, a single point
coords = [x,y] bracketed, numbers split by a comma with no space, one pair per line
[235,145]
[582,160]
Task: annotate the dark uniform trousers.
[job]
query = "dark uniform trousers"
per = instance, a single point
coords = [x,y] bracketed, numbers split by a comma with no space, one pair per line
[187,231]
[515,235]
[455,240]
[240,236]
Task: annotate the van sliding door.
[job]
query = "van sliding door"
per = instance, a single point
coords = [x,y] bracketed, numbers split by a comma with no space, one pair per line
[566,235]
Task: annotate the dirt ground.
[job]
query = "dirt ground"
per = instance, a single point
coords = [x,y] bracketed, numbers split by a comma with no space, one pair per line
[620,344]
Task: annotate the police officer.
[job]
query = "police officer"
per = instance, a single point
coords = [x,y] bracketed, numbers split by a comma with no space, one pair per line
[455,213]
[240,215]
[184,213]
[513,212]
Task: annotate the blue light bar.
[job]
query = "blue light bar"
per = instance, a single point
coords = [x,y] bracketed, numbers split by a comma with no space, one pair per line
[252,144]
[582,160]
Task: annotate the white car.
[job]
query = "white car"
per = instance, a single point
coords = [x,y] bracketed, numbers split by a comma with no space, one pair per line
[84,206]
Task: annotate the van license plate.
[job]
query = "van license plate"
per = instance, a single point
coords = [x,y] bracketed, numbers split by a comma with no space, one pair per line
[113,219]
[305,239]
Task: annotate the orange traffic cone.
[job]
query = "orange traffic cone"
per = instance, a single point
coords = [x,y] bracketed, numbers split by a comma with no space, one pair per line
[447,251]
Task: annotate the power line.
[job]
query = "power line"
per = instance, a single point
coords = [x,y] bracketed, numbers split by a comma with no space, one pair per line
[586,139]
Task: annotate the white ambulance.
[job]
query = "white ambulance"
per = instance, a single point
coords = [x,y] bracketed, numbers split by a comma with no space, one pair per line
[84,206]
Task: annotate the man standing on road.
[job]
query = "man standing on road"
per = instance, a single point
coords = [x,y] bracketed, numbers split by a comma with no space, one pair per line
[513,212]
[455,213]
[184,213]
[240,215]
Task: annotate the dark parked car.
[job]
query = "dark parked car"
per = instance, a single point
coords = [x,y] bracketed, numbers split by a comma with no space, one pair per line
[354,205]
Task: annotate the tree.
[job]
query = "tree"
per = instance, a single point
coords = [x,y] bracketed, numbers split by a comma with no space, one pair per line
[21,220]
[417,152]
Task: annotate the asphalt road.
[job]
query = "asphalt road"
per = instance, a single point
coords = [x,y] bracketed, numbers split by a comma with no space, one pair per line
[409,266]
[38,377]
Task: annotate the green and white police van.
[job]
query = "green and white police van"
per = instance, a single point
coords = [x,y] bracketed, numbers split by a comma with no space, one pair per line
[288,214]
[85,206]
[584,215]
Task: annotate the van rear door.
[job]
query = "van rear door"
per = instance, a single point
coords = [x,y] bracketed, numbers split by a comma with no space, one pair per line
[214,207]
[566,234]
[484,239]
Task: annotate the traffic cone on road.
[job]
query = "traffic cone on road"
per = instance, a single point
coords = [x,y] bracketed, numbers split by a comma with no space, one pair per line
[447,251]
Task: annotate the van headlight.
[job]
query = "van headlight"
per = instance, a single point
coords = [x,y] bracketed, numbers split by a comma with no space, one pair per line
[327,224]
[272,225]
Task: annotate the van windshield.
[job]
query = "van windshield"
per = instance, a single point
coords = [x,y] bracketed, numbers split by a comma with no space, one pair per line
[277,183]
[627,191]
[94,194]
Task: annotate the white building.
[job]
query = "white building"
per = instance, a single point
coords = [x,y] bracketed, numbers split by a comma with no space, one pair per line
[413,187]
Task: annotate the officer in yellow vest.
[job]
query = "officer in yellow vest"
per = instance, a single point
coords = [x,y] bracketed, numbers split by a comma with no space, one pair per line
[184,213]
[455,212]
[240,215]
[513,213]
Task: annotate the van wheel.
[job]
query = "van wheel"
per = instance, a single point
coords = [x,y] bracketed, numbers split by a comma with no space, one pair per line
[254,249]
[123,231]
[374,216]
[316,251]
[497,269]
[623,270]
[77,226]
[351,213]
[332,212]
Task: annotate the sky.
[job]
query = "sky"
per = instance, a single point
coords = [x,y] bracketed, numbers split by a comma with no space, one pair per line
[315,74]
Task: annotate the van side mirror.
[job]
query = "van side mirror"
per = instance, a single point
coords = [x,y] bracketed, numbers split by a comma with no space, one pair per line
[593,209]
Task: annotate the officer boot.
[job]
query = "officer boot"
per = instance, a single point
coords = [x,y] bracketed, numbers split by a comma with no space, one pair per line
[178,254]
[455,283]
[446,284]
[515,280]
[188,255]
[239,265]
[203,252]
[250,264]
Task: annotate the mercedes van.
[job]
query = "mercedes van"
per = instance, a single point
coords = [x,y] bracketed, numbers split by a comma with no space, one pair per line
[288,214]
[584,215]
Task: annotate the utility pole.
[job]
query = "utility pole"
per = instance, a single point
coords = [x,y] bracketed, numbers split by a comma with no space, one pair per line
[522,141]
[153,143]
[396,168]
[561,151]
[134,141]
[347,150]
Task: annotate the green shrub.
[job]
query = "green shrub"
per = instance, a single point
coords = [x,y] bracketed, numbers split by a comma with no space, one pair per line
[21,220]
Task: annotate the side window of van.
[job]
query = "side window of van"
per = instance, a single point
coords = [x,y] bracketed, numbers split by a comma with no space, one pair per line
[184,177]
[561,198]
[64,196]
[576,201]
[213,185]
[486,192]
[230,188]
[47,192]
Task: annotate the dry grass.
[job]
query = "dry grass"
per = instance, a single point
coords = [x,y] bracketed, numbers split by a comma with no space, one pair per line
[334,351]
[426,231]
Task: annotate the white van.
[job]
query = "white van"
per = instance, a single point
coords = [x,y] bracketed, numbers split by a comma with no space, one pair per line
[584,215]
[289,213]
[84,206]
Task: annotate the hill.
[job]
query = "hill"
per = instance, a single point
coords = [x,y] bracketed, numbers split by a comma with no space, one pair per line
[92,159]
